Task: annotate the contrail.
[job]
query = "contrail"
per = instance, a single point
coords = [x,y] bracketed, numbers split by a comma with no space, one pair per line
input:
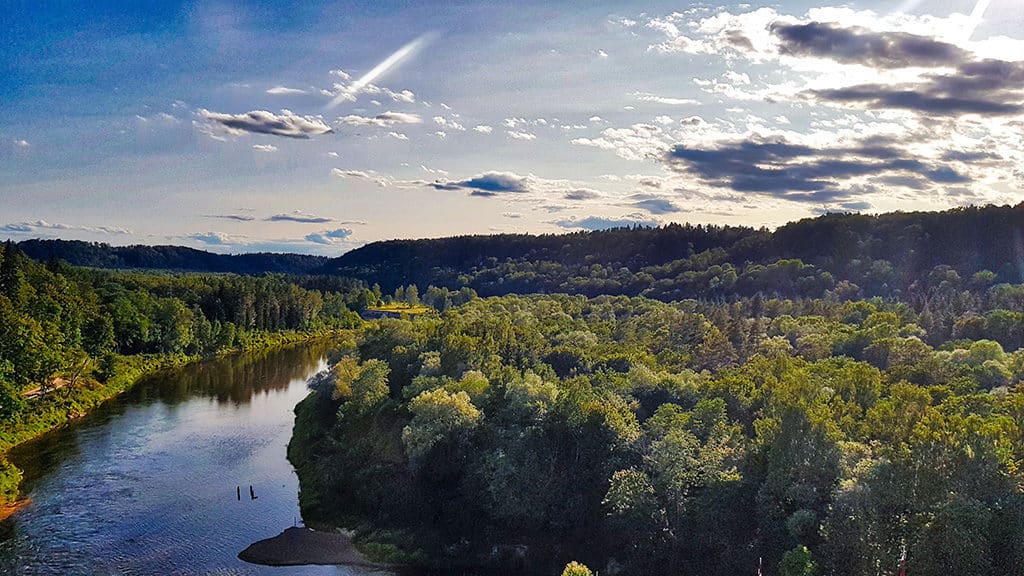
[388,63]
[975,18]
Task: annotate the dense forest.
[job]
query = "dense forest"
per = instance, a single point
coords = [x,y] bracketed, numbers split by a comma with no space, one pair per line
[65,332]
[822,399]
[896,255]
[99,255]
[823,436]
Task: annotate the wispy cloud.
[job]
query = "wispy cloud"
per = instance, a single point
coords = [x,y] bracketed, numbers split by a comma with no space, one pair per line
[44,226]
[235,217]
[382,120]
[285,91]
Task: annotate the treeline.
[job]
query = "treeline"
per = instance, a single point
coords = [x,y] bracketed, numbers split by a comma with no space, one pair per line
[642,438]
[100,255]
[59,323]
[899,255]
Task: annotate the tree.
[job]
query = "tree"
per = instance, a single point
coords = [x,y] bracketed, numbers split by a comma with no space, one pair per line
[436,416]
[576,569]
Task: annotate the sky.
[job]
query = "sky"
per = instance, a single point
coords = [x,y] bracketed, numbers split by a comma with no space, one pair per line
[316,127]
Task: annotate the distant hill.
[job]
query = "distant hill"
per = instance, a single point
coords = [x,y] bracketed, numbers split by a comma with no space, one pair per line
[98,255]
[881,255]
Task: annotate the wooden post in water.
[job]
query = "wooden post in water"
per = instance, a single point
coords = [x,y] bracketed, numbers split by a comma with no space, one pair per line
[238,492]
[252,493]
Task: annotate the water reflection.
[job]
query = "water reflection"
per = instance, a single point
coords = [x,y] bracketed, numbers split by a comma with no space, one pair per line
[147,483]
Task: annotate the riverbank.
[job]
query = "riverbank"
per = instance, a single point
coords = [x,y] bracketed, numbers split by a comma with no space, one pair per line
[300,546]
[59,407]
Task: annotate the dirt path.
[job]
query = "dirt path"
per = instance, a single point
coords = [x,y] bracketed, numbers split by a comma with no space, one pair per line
[55,384]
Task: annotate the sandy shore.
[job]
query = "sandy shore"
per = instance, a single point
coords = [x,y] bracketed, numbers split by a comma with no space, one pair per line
[7,509]
[300,546]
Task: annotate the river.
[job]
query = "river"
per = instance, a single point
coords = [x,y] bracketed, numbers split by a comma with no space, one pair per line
[146,484]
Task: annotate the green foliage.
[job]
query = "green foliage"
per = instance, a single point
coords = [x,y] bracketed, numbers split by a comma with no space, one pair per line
[437,415]
[687,437]
[797,562]
[576,569]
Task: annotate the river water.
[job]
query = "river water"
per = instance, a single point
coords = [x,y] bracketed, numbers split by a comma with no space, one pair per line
[146,484]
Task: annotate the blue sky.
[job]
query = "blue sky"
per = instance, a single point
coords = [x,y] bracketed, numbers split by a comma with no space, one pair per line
[211,124]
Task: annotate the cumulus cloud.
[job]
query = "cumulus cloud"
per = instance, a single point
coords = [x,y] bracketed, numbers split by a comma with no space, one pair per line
[44,226]
[329,237]
[22,143]
[298,216]
[487,184]
[287,123]
[483,129]
[398,136]
[602,223]
[216,238]
[384,119]
[637,142]
[264,148]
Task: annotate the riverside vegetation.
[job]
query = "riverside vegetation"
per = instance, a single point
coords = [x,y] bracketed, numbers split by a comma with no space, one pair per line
[818,417]
[73,337]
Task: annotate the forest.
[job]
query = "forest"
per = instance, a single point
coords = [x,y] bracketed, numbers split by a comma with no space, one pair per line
[854,255]
[839,396]
[181,258]
[830,434]
[69,336]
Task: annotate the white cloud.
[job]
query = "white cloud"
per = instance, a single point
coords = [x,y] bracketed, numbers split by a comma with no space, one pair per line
[398,136]
[517,135]
[264,148]
[43,226]
[383,119]
[286,91]
[648,97]
[483,129]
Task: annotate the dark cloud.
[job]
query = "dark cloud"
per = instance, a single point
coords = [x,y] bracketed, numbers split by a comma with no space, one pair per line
[287,123]
[857,45]
[879,96]
[486,184]
[986,87]
[581,194]
[964,156]
[601,223]
[653,204]
[797,172]
[298,216]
